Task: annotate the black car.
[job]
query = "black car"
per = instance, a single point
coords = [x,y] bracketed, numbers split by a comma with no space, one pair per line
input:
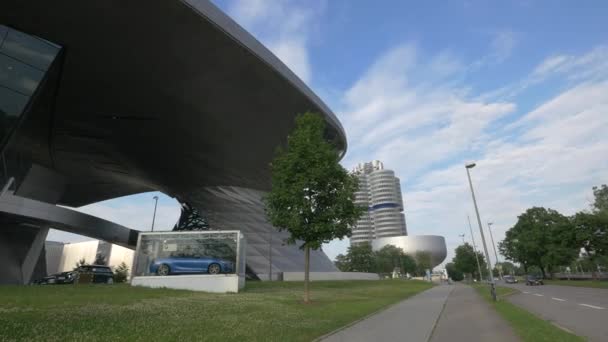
[95,274]
[59,278]
[534,280]
[509,279]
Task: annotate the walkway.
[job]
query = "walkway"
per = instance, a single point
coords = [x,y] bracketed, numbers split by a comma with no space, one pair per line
[413,320]
[443,313]
[468,317]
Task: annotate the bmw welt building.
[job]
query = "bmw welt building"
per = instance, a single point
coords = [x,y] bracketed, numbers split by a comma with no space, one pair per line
[101,99]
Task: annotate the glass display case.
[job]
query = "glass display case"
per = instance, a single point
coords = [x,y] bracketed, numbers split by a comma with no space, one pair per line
[189,253]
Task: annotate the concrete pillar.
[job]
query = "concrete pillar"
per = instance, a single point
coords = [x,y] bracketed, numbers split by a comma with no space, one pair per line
[33,255]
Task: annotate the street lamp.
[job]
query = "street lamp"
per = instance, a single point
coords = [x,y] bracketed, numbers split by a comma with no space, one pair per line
[483,239]
[462,236]
[474,248]
[154,215]
[494,246]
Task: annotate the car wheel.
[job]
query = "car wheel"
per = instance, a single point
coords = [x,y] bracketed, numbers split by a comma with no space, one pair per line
[163,270]
[214,269]
[110,281]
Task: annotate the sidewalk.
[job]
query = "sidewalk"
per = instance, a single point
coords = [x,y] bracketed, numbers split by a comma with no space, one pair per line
[411,320]
[467,317]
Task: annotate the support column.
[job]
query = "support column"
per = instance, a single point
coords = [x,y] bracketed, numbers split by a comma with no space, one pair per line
[33,255]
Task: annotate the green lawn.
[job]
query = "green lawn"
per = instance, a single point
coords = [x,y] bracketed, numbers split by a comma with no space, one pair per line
[262,312]
[526,325]
[581,283]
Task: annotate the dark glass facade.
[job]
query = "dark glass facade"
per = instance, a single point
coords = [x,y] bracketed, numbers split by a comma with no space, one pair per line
[24,62]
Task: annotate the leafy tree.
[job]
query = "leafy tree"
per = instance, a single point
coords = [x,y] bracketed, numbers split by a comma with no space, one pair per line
[453,272]
[361,258]
[591,231]
[121,273]
[541,237]
[423,262]
[465,262]
[600,193]
[312,195]
[342,263]
[390,257]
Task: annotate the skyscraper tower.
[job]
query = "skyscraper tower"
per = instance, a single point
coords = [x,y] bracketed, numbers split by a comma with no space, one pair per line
[380,192]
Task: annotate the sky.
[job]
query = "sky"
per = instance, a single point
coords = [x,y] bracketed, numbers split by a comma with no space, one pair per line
[519,87]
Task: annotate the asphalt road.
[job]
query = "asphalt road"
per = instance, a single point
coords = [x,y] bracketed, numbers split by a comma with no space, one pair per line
[582,310]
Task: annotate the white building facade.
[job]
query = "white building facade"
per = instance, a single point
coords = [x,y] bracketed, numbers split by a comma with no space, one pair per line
[380,192]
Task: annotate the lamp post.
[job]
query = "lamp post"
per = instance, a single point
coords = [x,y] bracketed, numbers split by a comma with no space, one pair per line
[483,239]
[154,215]
[462,236]
[474,248]
[494,247]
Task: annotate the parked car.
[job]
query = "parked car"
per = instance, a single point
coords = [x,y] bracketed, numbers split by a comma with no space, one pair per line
[509,279]
[532,280]
[95,274]
[191,265]
[59,278]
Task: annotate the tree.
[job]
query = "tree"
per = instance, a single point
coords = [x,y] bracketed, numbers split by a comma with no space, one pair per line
[453,272]
[465,262]
[600,194]
[312,195]
[342,263]
[361,258]
[390,258]
[591,230]
[121,273]
[423,262]
[541,237]
[358,258]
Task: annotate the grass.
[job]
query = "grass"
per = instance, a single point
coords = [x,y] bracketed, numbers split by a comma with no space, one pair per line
[580,283]
[262,312]
[526,325]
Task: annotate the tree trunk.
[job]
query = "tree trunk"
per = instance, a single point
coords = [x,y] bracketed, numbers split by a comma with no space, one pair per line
[542,270]
[306,276]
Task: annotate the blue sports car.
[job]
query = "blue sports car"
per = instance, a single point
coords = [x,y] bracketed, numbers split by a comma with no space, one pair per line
[191,265]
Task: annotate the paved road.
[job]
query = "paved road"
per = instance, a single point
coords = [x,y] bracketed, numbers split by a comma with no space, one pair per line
[468,317]
[411,320]
[581,310]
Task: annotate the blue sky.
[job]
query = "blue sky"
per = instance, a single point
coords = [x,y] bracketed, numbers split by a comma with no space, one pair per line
[521,87]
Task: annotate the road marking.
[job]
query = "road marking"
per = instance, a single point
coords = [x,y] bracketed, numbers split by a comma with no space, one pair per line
[593,306]
[538,294]
[526,292]
[559,299]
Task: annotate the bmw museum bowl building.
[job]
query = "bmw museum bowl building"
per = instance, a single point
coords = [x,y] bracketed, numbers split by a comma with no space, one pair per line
[102,99]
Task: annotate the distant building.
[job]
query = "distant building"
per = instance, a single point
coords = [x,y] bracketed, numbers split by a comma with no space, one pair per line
[384,222]
[380,192]
[62,257]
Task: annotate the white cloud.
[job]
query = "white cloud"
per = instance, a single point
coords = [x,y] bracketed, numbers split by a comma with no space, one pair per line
[403,108]
[568,69]
[549,156]
[501,47]
[283,26]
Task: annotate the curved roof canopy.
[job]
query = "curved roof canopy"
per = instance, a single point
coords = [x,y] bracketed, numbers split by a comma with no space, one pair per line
[160,95]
